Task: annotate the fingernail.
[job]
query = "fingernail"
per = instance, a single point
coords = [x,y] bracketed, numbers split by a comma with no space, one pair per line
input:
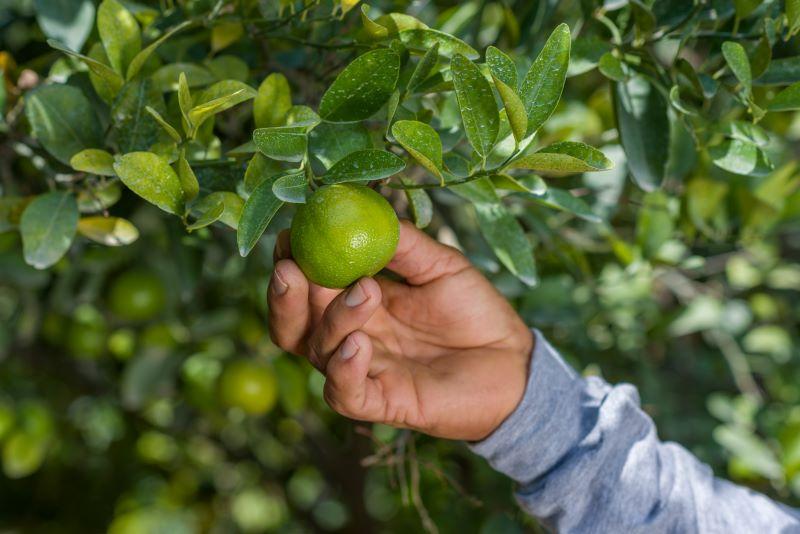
[279,286]
[355,296]
[349,349]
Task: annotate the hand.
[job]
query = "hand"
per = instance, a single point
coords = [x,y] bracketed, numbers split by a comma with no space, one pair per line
[443,353]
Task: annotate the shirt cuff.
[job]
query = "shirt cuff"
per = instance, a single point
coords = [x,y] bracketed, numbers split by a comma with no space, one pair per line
[546,421]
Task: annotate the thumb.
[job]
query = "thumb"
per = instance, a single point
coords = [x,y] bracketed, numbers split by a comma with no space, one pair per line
[348,388]
[420,259]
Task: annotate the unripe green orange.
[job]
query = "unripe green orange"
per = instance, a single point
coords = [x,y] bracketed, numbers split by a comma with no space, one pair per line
[342,233]
[248,385]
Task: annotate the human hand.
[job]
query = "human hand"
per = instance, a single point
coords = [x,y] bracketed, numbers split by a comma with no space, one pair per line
[442,353]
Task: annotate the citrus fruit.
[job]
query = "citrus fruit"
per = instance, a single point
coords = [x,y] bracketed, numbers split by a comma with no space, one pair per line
[87,334]
[248,385]
[137,295]
[343,232]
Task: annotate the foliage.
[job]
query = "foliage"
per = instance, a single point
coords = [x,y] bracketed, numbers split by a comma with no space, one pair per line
[174,140]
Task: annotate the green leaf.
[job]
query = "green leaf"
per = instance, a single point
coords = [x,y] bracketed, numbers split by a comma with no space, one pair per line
[47,228]
[508,240]
[760,57]
[227,67]
[736,57]
[744,8]
[218,98]
[362,88]
[793,15]
[740,157]
[611,67]
[329,142]
[291,187]
[423,143]
[141,58]
[419,205]
[749,449]
[172,132]
[422,40]
[515,109]
[185,100]
[655,223]
[259,169]
[119,33]
[786,100]
[746,131]
[644,130]
[302,117]
[476,103]
[564,157]
[151,177]
[108,231]
[502,67]
[541,89]
[364,166]
[113,82]
[273,101]
[374,30]
[167,77]
[477,191]
[281,144]
[781,71]
[424,67]
[223,206]
[62,120]
[259,209]
[68,21]
[93,161]
[566,201]
[189,183]
[206,211]
[134,127]
[520,184]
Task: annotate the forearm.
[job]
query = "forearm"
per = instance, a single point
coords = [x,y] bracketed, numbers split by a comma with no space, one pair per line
[587,459]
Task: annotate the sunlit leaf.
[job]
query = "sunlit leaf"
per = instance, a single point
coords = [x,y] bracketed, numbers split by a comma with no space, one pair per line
[280,144]
[273,101]
[109,231]
[151,177]
[542,86]
[476,103]
[291,187]
[94,161]
[364,166]
[48,226]
[422,142]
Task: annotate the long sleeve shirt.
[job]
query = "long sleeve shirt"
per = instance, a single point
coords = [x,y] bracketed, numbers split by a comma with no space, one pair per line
[587,458]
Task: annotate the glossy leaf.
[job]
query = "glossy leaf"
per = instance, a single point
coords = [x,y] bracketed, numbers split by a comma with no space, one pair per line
[424,67]
[47,227]
[786,100]
[740,157]
[134,127]
[420,206]
[644,128]
[68,21]
[280,144]
[258,211]
[120,34]
[141,58]
[362,88]
[62,120]
[541,89]
[151,177]
[520,184]
[422,40]
[508,240]
[515,110]
[93,161]
[502,67]
[172,132]
[564,157]
[108,231]
[781,71]
[273,101]
[99,69]
[364,166]
[736,57]
[291,187]
[566,201]
[189,183]
[330,142]
[218,98]
[259,169]
[223,206]
[476,103]
[422,142]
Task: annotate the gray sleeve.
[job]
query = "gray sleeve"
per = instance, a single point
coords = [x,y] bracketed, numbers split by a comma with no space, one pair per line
[587,459]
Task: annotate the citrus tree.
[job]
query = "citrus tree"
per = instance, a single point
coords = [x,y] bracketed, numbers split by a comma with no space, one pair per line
[623,171]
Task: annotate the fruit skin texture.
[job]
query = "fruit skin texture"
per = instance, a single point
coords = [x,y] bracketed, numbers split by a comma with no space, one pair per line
[248,385]
[137,295]
[342,233]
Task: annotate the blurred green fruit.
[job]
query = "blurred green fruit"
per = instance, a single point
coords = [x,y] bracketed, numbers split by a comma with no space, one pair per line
[23,454]
[248,385]
[343,232]
[87,340]
[137,295]
[122,343]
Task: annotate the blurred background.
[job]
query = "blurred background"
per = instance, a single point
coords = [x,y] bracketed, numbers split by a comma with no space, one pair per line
[139,391]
